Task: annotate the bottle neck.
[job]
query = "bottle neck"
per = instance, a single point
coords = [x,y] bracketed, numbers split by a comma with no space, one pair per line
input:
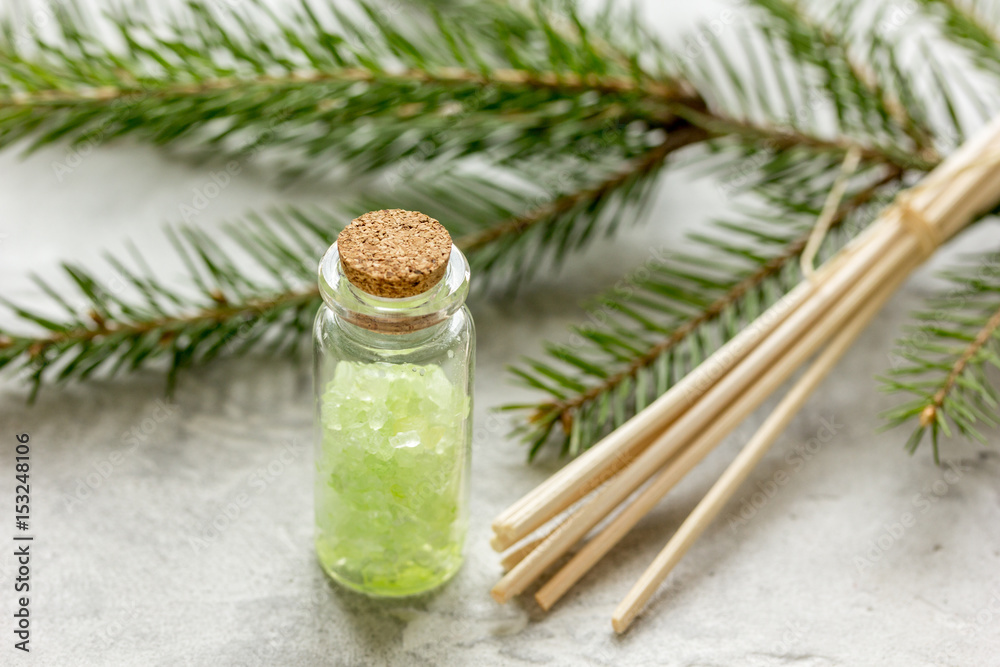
[390,340]
[403,317]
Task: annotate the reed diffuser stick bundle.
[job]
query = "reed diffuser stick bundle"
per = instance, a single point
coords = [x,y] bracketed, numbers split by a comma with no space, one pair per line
[623,445]
[669,437]
[619,527]
[770,363]
[618,448]
[740,468]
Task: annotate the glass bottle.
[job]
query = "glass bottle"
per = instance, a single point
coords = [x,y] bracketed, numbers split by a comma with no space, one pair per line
[394,346]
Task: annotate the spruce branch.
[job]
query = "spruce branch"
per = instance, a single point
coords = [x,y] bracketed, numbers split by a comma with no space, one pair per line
[136,317]
[661,327]
[224,312]
[929,414]
[944,358]
[301,90]
[319,81]
[597,387]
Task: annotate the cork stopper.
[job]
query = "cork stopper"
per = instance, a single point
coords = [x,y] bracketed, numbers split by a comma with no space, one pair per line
[394,253]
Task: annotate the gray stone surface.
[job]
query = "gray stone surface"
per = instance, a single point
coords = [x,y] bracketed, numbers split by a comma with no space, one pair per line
[127,569]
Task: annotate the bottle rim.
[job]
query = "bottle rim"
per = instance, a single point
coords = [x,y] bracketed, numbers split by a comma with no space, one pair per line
[393,315]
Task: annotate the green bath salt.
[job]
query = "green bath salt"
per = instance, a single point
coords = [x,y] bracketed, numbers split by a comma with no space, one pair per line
[390,496]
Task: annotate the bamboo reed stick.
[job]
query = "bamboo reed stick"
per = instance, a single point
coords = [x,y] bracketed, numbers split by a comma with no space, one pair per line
[518,553]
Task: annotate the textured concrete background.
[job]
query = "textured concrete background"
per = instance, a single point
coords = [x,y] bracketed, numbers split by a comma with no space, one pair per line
[125,485]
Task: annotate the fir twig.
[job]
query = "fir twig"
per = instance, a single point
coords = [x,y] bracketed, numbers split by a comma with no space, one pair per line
[929,414]
[944,359]
[580,378]
[287,245]
[363,92]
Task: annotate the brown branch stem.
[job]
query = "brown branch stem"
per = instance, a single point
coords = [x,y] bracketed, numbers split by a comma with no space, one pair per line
[512,78]
[929,413]
[169,324]
[778,139]
[677,100]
